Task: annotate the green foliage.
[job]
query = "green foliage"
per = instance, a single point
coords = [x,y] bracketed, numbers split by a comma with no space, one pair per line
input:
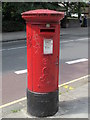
[15,111]
[11,26]
[11,11]
[74,7]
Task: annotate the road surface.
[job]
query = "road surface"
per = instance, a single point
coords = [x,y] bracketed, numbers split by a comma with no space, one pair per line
[73,47]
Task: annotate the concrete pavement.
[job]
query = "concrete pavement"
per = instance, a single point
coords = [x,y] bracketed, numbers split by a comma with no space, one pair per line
[73,103]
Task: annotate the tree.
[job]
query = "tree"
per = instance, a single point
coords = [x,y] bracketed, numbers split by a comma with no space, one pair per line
[12,11]
[74,7]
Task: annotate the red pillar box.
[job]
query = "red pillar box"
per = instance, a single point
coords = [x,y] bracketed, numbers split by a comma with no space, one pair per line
[43,40]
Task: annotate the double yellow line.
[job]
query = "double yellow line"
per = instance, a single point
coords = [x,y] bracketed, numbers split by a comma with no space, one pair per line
[24,98]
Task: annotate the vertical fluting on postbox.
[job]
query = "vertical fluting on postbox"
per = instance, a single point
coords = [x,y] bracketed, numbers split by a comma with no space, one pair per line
[43,40]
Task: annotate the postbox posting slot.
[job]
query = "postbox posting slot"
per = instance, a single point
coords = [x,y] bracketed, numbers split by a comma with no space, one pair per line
[47,30]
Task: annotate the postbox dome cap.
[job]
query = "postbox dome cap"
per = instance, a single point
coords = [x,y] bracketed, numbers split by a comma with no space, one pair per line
[42,14]
[42,11]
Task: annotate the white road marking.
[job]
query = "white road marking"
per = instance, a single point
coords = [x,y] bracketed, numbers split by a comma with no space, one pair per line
[14,41]
[16,48]
[81,39]
[77,61]
[69,62]
[2,50]
[20,71]
[13,48]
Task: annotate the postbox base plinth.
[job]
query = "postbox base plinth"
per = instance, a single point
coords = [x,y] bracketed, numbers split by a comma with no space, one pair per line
[42,104]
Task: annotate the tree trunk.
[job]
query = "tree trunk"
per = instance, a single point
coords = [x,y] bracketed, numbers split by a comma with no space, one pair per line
[79,10]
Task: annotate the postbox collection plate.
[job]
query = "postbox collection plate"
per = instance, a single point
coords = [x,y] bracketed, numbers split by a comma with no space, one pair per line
[48,46]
